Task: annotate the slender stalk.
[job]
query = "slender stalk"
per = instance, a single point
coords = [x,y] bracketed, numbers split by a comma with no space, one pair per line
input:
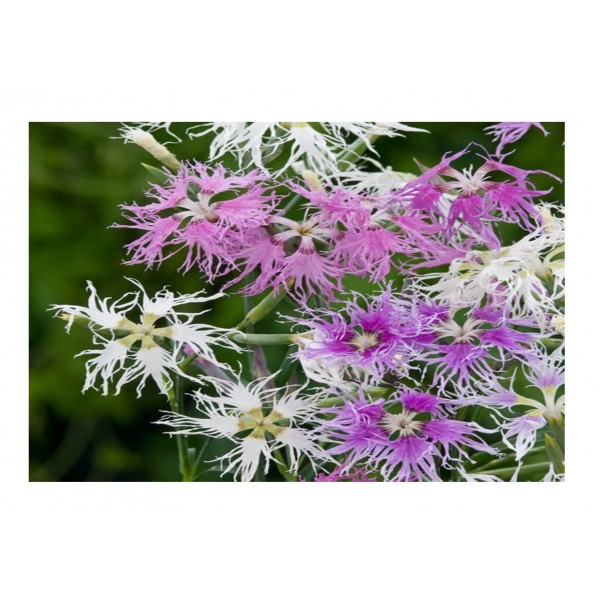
[555,454]
[198,459]
[354,152]
[263,308]
[525,470]
[281,467]
[558,430]
[248,306]
[175,400]
[287,368]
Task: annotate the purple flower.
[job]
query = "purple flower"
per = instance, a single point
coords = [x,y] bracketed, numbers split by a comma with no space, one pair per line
[406,438]
[463,345]
[367,234]
[471,199]
[290,258]
[510,132]
[364,342]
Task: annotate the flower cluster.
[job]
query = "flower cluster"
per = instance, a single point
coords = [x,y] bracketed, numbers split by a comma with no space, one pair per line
[448,365]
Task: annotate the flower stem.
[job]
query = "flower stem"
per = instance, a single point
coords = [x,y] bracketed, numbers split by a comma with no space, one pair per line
[281,467]
[354,152]
[287,368]
[175,400]
[263,308]
[555,454]
[509,471]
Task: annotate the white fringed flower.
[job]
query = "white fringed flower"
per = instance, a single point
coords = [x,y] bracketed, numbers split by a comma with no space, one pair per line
[527,278]
[319,149]
[137,349]
[258,418]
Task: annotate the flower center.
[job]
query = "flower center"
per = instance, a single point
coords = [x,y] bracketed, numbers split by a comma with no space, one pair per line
[402,423]
[304,228]
[365,340]
[470,182]
[259,424]
[198,209]
[466,332]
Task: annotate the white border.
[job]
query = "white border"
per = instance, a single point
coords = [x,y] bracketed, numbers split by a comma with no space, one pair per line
[311,61]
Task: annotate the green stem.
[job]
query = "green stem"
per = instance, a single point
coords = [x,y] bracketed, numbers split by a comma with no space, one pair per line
[248,306]
[287,368]
[525,470]
[558,429]
[262,309]
[372,391]
[175,400]
[198,459]
[354,152]
[281,467]
[555,454]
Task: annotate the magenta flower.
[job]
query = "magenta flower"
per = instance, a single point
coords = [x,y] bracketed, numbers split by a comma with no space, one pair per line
[405,438]
[369,234]
[510,132]
[472,200]
[465,347]
[208,213]
[358,341]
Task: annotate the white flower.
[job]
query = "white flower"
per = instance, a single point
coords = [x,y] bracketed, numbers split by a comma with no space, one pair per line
[150,127]
[258,418]
[137,349]
[375,182]
[527,277]
[319,149]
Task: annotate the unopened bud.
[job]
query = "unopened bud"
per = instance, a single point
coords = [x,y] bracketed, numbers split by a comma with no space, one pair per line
[148,142]
[311,179]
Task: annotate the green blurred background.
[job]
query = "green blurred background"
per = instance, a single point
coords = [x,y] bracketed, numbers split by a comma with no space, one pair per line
[78,178]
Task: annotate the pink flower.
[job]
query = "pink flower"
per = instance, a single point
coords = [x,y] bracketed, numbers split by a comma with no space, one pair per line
[208,213]
[510,132]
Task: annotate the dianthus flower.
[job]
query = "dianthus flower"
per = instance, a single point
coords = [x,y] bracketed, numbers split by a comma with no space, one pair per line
[467,346]
[476,200]
[527,278]
[404,438]
[290,257]
[257,418]
[320,148]
[342,232]
[545,374]
[369,235]
[206,212]
[137,349]
[356,342]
